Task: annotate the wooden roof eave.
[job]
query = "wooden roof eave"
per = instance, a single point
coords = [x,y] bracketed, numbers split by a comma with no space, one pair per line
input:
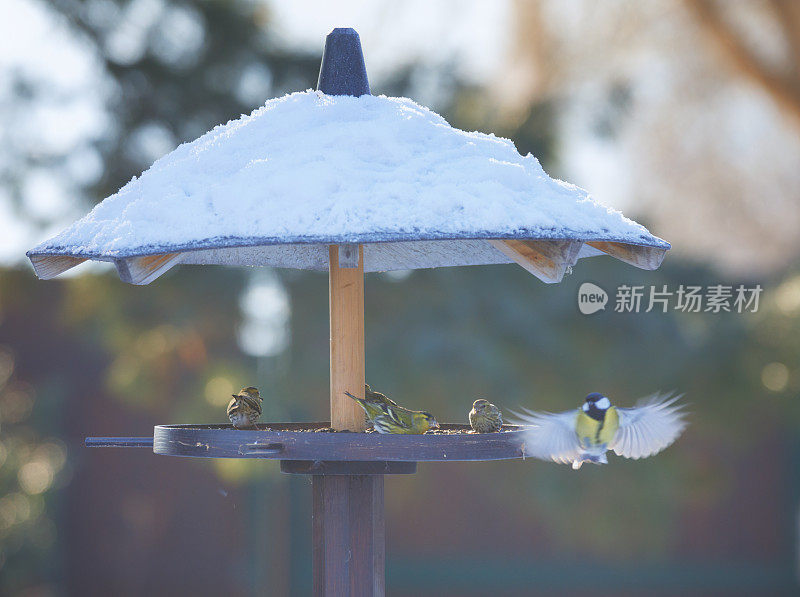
[547,259]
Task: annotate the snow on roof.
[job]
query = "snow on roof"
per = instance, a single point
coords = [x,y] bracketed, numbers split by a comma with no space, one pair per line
[309,170]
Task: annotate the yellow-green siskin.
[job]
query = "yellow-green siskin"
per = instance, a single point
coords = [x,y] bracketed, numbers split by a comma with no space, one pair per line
[245,408]
[371,395]
[485,417]
[391,418]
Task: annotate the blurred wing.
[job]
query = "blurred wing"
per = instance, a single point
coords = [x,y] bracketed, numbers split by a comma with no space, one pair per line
[550,436]
[652,425]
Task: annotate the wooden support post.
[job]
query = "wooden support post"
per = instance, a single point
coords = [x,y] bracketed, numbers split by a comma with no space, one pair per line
[348,524]
[348,535]
[346,286]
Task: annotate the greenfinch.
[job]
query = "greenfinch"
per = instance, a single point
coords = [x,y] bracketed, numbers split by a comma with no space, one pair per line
[587,433]
[485,417]
[245,408]
[388,417]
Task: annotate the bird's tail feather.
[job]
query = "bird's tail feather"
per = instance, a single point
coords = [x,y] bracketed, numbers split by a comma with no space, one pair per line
[589,457]
[361,401]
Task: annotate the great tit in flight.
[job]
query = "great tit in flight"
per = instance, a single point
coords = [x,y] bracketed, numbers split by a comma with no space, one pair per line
[586,434]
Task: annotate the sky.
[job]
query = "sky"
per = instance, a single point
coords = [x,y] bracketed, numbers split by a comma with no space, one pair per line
[62,121]
[470,32]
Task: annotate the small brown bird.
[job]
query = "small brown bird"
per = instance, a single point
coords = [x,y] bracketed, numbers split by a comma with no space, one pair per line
[485,417]
[245,408]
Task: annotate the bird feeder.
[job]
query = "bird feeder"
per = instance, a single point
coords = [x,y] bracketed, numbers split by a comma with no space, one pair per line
[342,181]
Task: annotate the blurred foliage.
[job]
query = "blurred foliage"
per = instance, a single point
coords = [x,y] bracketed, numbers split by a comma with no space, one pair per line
[178,69]
[436,340]
[32,464]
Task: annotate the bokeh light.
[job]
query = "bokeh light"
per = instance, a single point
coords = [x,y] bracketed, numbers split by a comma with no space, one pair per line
[218,391]
[775,377]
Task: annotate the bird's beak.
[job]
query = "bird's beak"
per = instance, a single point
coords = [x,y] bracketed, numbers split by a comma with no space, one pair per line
[435,425]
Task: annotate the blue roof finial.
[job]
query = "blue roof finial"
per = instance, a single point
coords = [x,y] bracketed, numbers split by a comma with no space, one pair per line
[342,71]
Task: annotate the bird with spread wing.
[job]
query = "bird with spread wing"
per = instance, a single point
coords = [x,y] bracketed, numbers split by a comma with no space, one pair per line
[587,433]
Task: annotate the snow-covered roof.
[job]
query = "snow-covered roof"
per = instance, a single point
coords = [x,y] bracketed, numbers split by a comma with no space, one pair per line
[309,170]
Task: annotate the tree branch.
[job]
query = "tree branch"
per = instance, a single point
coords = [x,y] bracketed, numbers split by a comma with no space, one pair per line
[787,13]
[783,89]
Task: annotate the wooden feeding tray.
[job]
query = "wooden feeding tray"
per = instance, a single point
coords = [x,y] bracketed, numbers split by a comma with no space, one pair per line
[318,442]
[347,471]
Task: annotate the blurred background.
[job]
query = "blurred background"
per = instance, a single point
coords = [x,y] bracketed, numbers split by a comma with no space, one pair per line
[685,114]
